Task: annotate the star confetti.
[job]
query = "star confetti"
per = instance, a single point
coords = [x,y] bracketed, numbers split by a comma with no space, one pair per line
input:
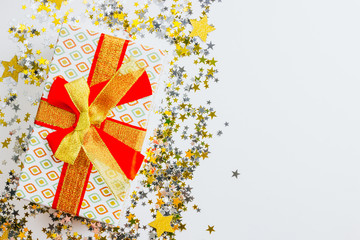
[58,3]
[162,224]
[12,69]
[235,174]
[201,28]
[210,229]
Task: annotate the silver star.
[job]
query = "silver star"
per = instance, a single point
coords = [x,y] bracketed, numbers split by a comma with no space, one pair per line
[11,69]
[235,173]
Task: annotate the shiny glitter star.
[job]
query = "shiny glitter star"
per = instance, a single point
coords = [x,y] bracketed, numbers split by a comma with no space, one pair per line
[210,229]
[162,224]
[57,2]
[201,28]
[12,69]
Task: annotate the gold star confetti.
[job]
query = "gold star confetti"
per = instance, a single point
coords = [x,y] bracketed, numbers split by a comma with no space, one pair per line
[21,235]
[5,144]
[43,61]
[12,69]
[201,28]
[162,224]
[58,3]
[210,229]
[176,201]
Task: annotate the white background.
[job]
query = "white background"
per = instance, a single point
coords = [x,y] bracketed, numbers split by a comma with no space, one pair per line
[289,86]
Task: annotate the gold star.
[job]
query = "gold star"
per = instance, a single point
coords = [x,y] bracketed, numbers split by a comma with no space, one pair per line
[182,227]
[176,201]
[196,87]
[201,28]
[21,235]
[150,179]
[22,27]
[22,38]
[43,61]
[21,165]
[5,144]
[159,202]
[56,21]
[204,155]
[188,154]
[12,69]
[57,2]
[210,229]
[182,117]
[162,224]
[212,115]
[131,216]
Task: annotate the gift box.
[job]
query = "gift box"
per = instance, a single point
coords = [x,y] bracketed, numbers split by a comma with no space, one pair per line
[85,150]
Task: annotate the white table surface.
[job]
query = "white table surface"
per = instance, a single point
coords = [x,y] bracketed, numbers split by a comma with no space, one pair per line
[289,86]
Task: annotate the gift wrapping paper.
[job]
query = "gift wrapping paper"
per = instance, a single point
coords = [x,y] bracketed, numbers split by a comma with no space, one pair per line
[72,60]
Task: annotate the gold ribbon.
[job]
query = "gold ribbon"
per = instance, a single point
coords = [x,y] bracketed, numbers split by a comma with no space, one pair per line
[85,137]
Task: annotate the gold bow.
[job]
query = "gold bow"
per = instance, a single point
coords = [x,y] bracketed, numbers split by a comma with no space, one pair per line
[94,115]
[85,138]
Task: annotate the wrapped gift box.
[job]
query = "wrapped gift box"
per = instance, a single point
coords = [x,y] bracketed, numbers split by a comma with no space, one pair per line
[91,56]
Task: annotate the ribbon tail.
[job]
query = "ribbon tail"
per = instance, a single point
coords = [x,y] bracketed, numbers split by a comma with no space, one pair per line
[126,156]
[140,89]
[104,162]
[131,135]
[72,185]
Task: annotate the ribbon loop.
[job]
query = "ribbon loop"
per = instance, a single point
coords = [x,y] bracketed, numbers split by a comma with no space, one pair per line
[83,122]
[112,93]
